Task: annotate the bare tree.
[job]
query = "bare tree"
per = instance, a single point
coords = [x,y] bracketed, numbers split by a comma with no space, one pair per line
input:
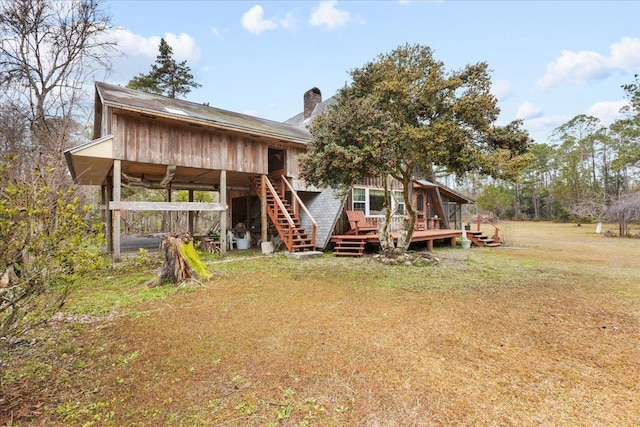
[48,52]
[625,210]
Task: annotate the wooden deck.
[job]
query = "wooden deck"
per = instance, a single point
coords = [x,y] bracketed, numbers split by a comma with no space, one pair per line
[350,244]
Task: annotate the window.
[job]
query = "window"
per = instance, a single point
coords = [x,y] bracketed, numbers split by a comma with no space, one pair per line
[359,199]
[371,201]
[376,202]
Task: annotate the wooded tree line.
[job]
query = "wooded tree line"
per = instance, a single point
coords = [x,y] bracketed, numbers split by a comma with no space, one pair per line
[584,172]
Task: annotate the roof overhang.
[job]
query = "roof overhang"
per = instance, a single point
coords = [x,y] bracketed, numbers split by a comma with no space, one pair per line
[452,194]
[90,163]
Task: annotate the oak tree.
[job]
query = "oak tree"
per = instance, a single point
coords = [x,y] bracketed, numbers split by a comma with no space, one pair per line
[405,112]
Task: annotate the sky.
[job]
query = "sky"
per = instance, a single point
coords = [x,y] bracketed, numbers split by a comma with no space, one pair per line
[550,60]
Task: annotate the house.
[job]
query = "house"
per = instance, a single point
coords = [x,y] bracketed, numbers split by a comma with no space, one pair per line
[142,140]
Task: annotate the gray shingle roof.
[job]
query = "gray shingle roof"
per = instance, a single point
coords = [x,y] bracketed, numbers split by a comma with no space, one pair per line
[198,113]
[300,122]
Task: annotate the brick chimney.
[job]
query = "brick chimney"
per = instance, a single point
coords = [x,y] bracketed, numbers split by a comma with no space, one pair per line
[312,97]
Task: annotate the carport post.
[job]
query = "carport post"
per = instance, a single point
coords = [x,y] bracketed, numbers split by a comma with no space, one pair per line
[263,209]
[190,214]
[117,168]
[223,215]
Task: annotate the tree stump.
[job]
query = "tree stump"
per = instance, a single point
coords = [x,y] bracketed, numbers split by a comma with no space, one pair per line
[181,261]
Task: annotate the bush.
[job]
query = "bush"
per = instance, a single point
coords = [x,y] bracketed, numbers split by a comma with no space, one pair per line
[45,244]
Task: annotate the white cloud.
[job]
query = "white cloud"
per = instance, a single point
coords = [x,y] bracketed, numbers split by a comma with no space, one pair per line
[544,125]
[184,46]
[607,111]
[584,66]
[328,15]
[253,20]
[528,111]
[625,55]
[289,21]
[501,89]
[136,45]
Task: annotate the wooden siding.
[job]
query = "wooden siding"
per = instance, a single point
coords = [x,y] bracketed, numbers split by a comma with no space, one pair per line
[161,142]
[97,117]
[293,160]
[379,183]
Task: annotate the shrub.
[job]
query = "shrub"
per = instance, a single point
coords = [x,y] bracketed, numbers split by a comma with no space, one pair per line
[45,244]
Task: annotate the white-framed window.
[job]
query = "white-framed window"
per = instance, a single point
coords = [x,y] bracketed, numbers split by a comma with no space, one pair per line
[371,201]
[360,199]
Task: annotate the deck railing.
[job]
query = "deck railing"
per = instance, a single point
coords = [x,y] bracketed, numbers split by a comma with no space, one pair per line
[496,230]
[287,237]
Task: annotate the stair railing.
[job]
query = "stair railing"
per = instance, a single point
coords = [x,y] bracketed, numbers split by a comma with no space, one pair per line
[496,231]
[297,203]
[288,237]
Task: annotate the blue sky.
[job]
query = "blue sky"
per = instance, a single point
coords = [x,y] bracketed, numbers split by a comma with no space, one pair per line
[550,60]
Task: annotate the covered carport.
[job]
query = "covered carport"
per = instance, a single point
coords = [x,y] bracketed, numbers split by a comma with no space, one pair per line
[149,141]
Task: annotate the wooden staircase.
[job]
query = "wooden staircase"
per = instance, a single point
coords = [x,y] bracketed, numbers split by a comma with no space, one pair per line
[284,216]
[480,239]
[349,245]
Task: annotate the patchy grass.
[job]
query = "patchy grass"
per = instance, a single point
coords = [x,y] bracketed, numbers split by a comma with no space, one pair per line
[544,331]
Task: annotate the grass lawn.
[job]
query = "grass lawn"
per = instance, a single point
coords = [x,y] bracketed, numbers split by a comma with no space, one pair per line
[543,331]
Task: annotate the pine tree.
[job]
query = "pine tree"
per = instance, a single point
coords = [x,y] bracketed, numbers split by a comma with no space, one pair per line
[167,77]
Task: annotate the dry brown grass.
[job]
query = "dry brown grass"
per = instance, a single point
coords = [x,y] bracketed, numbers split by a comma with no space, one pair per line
[543,332]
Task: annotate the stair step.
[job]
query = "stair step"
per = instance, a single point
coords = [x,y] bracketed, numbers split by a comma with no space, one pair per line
[305,246]
[348,244]
[354,248]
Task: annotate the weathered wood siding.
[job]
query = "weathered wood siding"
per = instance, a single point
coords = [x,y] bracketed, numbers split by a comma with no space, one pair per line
[161,142]
[379,183]
[293,169]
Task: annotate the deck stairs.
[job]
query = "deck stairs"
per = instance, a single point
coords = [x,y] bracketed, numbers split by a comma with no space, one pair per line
[349,245]
[284,216]
[480,239]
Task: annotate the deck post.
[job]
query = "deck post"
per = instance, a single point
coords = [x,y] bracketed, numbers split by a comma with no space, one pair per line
[430,245]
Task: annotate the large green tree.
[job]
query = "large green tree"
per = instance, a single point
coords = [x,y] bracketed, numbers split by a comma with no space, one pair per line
[167,77]
[405,112]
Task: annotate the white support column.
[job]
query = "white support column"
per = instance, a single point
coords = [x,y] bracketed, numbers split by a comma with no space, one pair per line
[117,169]
[223,215]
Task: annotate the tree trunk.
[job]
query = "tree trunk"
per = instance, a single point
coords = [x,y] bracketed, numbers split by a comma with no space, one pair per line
[384,227]
[181,262]
[405,234]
